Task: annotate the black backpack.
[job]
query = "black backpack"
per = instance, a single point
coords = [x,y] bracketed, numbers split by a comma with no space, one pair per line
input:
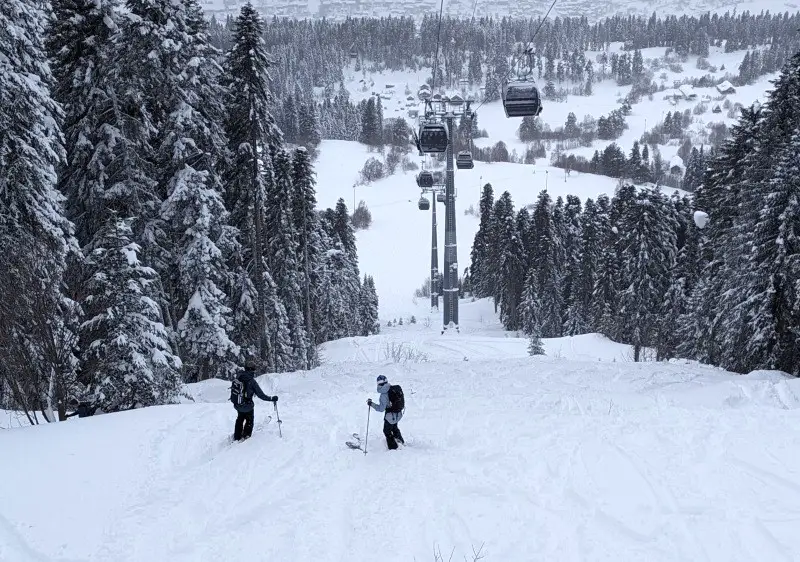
[238,392]
[397,402]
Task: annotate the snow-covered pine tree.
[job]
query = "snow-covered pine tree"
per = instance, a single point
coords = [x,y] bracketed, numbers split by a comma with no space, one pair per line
[481,284]
[340,284]
[343,230]
[530,310]
[340,291]
[253,138]
[146,86]
[193,217]
[194,213]
[605,295]
[108,124]
[289,119]
[37,322]
[584,272]
[80,46]
[127,356]
[535,346]
[545,262]
[684,278]
[378,121]
[491,267]
[510,260]
[748,341]
[524,230]
[368,308]
[648,243]
[284,265]
[309,243]
[308,134]
[369,123]
[770,296]
[721,197]
[571,243]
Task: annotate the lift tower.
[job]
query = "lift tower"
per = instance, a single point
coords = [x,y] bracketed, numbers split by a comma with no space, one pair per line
[443,109]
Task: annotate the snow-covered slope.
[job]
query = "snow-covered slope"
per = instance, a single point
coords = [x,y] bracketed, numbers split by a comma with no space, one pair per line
[396,248]
[339,9]
[583,457]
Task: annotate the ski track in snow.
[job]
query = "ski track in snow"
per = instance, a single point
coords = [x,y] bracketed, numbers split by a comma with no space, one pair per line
[586,459]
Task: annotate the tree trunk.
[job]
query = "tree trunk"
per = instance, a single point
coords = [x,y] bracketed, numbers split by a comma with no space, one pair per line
[307,287]
[258,253]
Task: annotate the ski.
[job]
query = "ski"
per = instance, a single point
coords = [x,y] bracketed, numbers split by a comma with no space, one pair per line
[355,444]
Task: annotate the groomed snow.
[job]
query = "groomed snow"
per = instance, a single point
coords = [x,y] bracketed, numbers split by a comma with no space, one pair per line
[578,456]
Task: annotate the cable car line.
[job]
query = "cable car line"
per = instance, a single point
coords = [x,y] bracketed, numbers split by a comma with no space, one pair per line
[436,54]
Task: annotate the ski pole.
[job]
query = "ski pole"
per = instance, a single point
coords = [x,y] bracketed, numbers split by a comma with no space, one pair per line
[366,438]
[277,415]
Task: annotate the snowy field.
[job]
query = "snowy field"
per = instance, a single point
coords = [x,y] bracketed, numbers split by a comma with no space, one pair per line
[578,456]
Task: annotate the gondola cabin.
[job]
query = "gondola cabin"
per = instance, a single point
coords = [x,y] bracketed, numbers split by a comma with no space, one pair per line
[440,197]
[521,99]
[464,160]
[425,179]
[433,138]
[424,92]
[423,204]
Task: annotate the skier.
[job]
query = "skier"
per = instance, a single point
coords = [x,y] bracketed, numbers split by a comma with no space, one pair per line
[393,403]
[82,409]
[242,390]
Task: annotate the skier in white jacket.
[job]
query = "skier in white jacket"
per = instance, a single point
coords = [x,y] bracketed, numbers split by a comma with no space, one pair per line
[394,411]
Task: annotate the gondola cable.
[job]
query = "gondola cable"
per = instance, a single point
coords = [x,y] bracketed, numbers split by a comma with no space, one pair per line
[438,39]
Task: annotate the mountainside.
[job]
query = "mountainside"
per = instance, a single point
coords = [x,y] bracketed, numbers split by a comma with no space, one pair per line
[340,9]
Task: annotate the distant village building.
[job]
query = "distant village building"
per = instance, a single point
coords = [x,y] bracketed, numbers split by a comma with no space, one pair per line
[726,88]
[676,166]
[687,90]
[679,93]
[673,95]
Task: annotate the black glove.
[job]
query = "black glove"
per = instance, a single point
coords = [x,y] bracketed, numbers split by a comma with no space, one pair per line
[274,398]
[369,401]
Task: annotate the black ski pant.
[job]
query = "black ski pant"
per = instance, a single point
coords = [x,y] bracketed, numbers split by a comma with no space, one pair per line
[244,425]
[392,433]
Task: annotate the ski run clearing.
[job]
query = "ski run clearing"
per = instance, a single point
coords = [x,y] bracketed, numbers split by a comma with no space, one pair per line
[581,455]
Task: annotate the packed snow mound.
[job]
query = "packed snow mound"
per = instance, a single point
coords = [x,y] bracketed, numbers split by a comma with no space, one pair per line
[537,459]
[700,219]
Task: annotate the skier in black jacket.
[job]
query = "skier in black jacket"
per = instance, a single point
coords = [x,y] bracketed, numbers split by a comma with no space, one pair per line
[244,421]
[82,410]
